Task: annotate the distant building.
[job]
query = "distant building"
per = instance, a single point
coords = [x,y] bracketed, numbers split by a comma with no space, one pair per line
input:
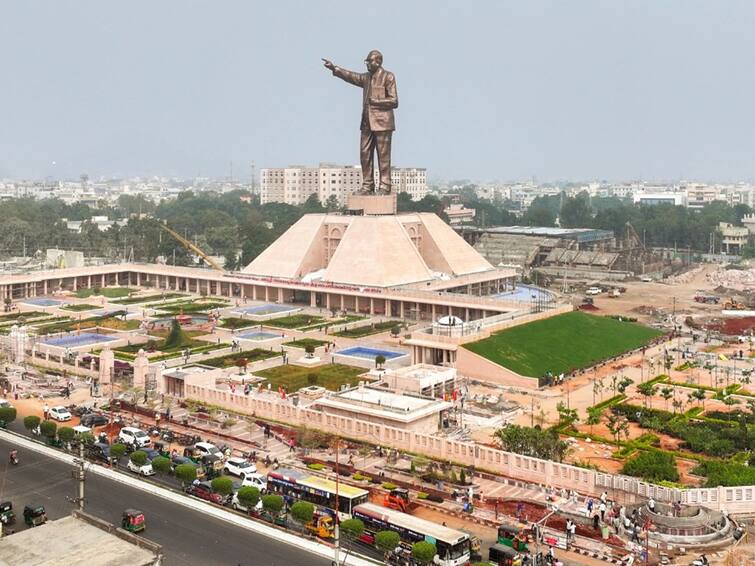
[733,238]
[458,214]
[295,184]
[650,199]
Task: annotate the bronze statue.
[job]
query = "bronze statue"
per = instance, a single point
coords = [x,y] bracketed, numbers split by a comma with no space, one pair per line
[379,98]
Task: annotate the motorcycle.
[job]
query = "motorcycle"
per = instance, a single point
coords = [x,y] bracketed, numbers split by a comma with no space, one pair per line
[14,457]
[702,561]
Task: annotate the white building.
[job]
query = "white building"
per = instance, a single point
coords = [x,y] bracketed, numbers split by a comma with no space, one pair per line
[295,184]
[677,199]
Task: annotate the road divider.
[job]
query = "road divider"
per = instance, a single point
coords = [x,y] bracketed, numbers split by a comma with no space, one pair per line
[320,549]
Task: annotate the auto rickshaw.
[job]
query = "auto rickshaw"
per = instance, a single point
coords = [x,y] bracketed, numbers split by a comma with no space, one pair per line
[513,534]
[133,521]
[504,555]
[7,516]
[35,515]
[322,526]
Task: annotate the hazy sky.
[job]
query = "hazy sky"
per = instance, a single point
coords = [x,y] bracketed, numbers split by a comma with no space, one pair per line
[487,89]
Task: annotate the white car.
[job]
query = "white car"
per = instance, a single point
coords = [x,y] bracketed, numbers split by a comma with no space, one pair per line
[5,404]
[134,436]
[239,467]
[594,291]
[60,414]
[209,449]
[239,507]
[143,470]
[255,480]
[646,279]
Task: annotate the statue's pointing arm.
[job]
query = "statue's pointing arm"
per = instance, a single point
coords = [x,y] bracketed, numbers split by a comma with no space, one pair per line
[390,101]
[356,79]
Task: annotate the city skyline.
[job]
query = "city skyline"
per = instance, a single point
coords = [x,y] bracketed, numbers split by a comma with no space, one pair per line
[509,91]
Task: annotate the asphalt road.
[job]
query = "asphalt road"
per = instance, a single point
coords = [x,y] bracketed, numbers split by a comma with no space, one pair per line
[187,536]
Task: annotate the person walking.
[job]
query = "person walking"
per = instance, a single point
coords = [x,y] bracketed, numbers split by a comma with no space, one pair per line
[602,509]
[45,411]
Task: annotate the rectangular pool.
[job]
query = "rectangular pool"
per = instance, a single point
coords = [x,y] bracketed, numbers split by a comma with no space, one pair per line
[258,336]
[79,340]
[43,302]
[264,310]
[370,353]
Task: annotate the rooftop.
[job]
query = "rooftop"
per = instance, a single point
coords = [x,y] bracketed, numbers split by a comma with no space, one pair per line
[579,234]
[384,404]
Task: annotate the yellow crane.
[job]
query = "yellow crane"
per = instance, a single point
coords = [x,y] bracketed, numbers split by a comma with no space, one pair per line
[190,246]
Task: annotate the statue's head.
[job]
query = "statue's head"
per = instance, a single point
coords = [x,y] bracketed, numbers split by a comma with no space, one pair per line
[374,60]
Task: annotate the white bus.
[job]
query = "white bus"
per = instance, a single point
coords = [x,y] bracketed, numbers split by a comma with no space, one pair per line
[452,545]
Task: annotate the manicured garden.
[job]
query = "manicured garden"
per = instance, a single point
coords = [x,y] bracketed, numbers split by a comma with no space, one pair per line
[235,323]
[293,378]
[108,292]
[309,322]
[368,330]
[192,307]
[304,342]
[148,298]
[112,321]
[80,308]
[249,356]
[562,343]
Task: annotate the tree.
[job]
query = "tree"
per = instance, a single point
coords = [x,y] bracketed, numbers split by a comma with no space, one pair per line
[387,541]
[248,496]
[424,552]
[31,422]
[699,396]
[667,393]
[395,330]
[161,464]
[566,416]
[273,504]
[222,485]
[302,512]
[138,457]
[117,451]
[7,414]
[187,473]
[652,466]
[309,350]
[379,361]
[352,528]
[241,363]
[647,390]
[48,429]
[575,212]
[529,441]
[624,383]
[617,425]
[66,434]
[594,414]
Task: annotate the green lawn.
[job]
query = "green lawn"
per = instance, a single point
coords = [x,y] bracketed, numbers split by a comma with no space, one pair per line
[249,355]
[293,378]
[235,322]
[109,292]
[561,343]
[304,342]
[368,330]
[192,307]
[296,321]
[149,298]
[80,308]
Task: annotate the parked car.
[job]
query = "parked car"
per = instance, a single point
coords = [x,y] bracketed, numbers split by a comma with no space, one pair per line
[593,291]
[60,413]
[208,449]
[646,279]
[134,436]
[255,480]
[100,451]
[239,507]
[4,403]
[94,419]
[203,490]
[239,467]
[143,470]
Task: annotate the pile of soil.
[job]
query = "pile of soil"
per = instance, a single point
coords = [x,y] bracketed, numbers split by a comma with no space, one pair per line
[586,307]
[733,326]
[647,310]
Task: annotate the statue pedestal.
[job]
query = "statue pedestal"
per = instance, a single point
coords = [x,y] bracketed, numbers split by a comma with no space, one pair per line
[372,204]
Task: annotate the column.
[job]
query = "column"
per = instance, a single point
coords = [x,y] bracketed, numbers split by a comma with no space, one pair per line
[466,314]
[107,362]
[243,292]
[433,307]
[45,286]
[312,299]
[141,365]
[138,279]
[418,311]
[103,280]
[401,309]
[254,292]
[280,294]
[327,301]
[387,307]
[89,281]
[372,305]
[343,303]
[356,304]
[75,283]
[267,293]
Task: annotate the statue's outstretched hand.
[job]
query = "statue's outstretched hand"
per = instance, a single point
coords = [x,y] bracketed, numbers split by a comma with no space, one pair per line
[328,65]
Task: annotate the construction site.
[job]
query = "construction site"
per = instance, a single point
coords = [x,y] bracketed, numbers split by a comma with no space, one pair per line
[578,254]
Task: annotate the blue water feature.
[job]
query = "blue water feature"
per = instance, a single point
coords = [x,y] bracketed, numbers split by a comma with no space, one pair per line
[369,353]
[78,340]
[43,302]
[258,336]
[526,293]
[261,310]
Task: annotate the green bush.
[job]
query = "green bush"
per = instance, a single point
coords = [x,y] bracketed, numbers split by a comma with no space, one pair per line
[360,477]
[424,552]
[138,457]
[48,429]
[66,434]
[387,541]
[117,450]
[222,485]
[316,466]
[31,422]
[352,528]
[161,464]
[85,438]
[652,466]
[7,414]
[187,473]
[272,504]
[725,474]
[302,511]
[389,486]
[249,496]
[421,495]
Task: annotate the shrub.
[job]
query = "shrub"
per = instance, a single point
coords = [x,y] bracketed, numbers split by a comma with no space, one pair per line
[85,438]
[725,474]
[422,495]
[117,450]
[48,429]
[387,541]
[360,477]
[31,422]
[389,486]
[312,379]
[379,360]
[652,466]
[161,464]
[7,414]
[249,496]
[302,511]
[395,330]
[424,552]
[309,349]
[228,423]
[138,457]
[412,467]
[66,434]
[187,473]
[315,466]
[272,504]
[222,485]
[352,528]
